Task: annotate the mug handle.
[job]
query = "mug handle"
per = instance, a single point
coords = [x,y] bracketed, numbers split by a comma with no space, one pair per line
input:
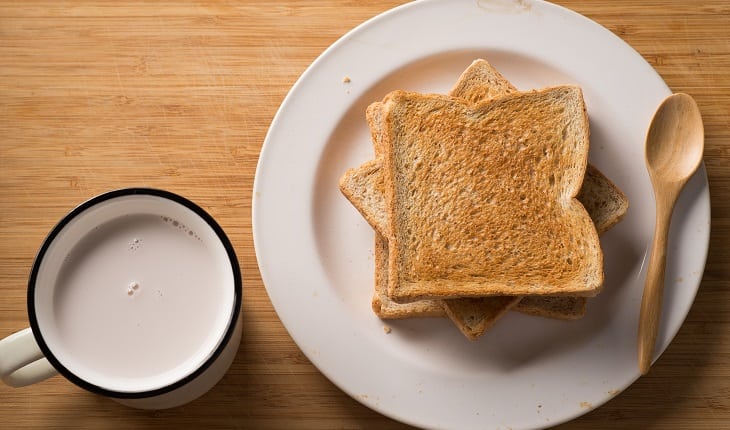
[21,360]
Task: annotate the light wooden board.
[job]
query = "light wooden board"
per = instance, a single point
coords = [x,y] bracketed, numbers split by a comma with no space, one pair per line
[102,95]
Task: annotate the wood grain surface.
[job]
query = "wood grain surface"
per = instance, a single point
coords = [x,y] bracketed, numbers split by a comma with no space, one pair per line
[101,95]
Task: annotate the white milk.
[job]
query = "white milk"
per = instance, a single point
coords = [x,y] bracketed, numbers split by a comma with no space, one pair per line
[139,302]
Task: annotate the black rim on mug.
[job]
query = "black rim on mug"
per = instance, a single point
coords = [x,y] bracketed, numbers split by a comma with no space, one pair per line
[237,284]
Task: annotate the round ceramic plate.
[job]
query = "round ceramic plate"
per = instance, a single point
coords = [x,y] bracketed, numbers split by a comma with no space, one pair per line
[315,252]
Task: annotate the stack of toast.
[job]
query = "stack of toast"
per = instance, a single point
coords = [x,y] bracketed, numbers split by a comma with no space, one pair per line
[482,201]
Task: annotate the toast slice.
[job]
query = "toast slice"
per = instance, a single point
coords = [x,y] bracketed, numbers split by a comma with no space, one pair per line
[365,184]
[605,202]
[364,188]
[474,316]
[385,308]
[522,231]
[561,308]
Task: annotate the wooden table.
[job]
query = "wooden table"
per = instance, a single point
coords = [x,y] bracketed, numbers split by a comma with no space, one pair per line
[97,95]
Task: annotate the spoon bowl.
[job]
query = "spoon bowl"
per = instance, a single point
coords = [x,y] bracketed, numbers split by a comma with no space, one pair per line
[674,149]
[675,140]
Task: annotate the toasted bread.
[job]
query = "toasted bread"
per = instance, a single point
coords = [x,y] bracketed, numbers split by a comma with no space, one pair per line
[363,186]
[562,308]
[605,202]
[456,234]
[606,205]
[473,316]
[381,303]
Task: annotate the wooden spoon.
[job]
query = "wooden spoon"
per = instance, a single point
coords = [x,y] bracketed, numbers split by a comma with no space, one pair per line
[674,146]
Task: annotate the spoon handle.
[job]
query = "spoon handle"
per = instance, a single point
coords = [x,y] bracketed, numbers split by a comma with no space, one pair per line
[651,303]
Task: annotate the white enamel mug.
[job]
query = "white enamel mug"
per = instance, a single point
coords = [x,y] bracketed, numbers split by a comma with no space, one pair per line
[134,295]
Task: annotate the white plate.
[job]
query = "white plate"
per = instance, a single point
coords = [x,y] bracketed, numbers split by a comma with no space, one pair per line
[315,251]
